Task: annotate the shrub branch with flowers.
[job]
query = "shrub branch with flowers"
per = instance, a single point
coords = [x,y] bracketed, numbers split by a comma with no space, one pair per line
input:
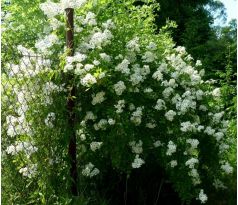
[136,95]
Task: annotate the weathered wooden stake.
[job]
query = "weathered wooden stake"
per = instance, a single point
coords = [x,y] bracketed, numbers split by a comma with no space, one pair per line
[70,104]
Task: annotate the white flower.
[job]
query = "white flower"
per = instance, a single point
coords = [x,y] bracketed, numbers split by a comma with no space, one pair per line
[136,147]
[90,170]
[227,168]
[150,125]
[108,24]
[136,78]
[133,45]
[216,92]
[167,92]
[49,119]
[102,124]
[119,87]
[200,128]
[171,148]
[96,62]
[11,150]
[218,184]
[89,116]
[98,98]
[160,105]
[137,162]
[88,67]
[158,75]
[79,57]
[95,145]
[203,108]
[123,67]
[217,117]
[132,107]
[29,171]
[72,3]
[152,46]
[170,115]
[198,63]
[173,163]
[105,57]
[157,143]
[68,67]
[111,121]
[191,162]
[81,134]
[51,9]
[209,130]
[149,57]
[148,90]
[88,80]
[100,39]
[120,105]
[55,24]
[136,116]
[193,142]
[90,19]
[202,197]
[223,147]
[219,136]
[199,94]
[42,45]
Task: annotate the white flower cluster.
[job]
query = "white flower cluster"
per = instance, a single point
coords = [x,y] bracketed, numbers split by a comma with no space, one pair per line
[102,124]
[50,119]
[137,115]
[219,184]
[98,98]
[136,147]
[90,19]
[29,171]
[158,143]
[133,45]
[160,104]
[171,148]
[95,145]
[17,126]
[151,125]
[111,121]
[52,9]
[227,168]
[27,147]
[138,162]
[191,163]
[81,134]
[44,44]
[173,163]
[100,39]
[170,115]
[90,170]
[202,197]
[123,67]
[149,57]
[119,87]
[88,80]
[120,105]
[190,127]
[193,142]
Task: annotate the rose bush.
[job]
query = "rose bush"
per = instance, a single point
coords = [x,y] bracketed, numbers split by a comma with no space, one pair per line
[137,96]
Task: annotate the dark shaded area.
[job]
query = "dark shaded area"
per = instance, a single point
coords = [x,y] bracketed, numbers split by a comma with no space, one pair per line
[146,186]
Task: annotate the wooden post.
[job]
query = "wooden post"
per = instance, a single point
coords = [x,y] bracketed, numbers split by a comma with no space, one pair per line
[71,104]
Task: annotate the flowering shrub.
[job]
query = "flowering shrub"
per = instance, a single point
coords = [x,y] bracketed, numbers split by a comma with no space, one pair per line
[136,95]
